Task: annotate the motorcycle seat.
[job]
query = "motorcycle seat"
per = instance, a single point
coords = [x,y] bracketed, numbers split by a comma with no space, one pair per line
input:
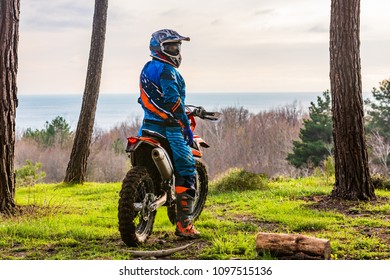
[159,137]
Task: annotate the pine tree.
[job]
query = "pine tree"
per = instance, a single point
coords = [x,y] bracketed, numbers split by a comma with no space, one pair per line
[77,166]
[378,114]
[315,142]
[9,39]
[378,124]
[353,179]
[56,132]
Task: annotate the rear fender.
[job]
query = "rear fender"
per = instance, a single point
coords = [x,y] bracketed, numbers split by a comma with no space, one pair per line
[134,142]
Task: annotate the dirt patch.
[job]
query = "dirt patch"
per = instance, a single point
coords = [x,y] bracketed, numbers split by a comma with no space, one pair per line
[356,209]
[346,207]
[262,225]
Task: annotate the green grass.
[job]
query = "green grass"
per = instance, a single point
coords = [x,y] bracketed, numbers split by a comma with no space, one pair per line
[61,221]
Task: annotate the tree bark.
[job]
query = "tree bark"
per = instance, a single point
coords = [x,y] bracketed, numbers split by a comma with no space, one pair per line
[351,159]
[77,166]
[9,35]
[293,246]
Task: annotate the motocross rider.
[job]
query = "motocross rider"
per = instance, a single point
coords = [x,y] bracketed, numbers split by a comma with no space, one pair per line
[162,96]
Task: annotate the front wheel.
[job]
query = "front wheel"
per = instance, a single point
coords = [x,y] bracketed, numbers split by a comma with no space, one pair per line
[201,186]
[134,215]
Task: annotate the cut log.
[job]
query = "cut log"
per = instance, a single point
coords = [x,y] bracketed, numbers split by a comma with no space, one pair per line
[292,246]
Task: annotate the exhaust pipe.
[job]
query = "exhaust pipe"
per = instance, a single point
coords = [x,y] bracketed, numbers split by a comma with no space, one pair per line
[163,163]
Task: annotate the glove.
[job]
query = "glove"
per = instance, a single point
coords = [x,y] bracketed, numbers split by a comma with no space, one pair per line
[188,135]
[199,112]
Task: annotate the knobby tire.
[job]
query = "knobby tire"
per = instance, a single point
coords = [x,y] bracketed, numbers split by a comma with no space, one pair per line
[133,226]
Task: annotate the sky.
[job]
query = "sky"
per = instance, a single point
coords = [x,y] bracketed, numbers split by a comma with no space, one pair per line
[236,46]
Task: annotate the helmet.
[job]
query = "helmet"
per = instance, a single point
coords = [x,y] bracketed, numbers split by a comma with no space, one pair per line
[165,45]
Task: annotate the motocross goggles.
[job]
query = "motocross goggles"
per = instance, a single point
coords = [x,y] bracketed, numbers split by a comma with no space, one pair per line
[171,48]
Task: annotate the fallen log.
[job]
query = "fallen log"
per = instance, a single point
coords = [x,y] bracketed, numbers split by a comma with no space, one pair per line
[292,246]
[159,253]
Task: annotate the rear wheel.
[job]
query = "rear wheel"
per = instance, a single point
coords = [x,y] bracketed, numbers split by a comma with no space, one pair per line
[201,186]
[134,215]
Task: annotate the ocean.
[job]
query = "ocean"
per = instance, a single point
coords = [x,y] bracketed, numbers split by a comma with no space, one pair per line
[34,110]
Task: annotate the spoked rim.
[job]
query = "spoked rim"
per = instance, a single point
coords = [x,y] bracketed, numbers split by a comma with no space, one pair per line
[135,216]
[143,217]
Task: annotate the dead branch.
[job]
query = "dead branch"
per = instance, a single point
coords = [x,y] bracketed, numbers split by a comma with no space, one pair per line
[159,253]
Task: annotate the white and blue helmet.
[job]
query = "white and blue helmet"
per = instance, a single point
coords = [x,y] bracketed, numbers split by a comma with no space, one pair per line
[165,45]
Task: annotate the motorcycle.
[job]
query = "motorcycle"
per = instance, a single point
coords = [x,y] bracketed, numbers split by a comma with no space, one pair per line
[150,183]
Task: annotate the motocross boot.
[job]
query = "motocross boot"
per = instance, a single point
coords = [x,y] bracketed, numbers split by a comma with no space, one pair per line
[184,209]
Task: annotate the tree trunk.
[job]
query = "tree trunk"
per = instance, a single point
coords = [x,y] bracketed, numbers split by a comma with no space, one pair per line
[351,160]
[77,166]
[9,35]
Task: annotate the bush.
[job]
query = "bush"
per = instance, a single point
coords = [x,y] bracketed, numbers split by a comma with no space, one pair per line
[28,174]
[380,182]
[329,167]
[238,179]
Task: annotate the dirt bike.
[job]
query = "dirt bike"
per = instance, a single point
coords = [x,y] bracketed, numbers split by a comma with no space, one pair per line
[150,183]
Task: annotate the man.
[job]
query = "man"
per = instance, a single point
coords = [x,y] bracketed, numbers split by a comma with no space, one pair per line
[162,96]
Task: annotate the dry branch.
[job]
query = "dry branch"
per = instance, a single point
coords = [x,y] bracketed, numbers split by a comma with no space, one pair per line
[159,253]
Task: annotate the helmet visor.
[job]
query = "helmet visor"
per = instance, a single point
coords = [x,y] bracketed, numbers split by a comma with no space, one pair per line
[171,48]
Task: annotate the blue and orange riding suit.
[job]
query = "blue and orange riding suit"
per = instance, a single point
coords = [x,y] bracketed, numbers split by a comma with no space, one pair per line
[162,96]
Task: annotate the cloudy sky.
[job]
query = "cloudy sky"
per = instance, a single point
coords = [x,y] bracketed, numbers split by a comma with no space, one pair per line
[236,46]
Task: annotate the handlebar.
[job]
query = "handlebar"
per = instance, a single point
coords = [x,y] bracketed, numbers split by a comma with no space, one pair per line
[200,112]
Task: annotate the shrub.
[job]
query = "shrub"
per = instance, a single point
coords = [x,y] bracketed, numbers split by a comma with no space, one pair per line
[238,179]
[28,174]
[380,182]
[329,167]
